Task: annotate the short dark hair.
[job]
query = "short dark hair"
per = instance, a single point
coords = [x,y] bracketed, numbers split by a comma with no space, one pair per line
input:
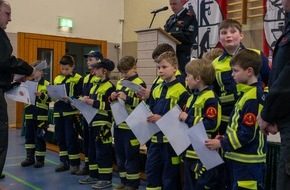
[67,60]
[247,58]
[230,23]
[126,63]
[161,48]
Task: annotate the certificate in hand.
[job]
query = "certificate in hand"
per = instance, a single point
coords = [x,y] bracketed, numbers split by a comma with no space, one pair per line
[197,136]
[32,88]
[131,85]
[56,91]
[119,111]
[137,121]
[174,130]
[19,94]
[87,110]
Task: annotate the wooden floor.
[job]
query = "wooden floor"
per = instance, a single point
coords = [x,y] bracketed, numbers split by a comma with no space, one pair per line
[30,178]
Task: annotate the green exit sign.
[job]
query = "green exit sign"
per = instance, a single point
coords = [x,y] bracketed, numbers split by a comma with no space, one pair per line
[65,22]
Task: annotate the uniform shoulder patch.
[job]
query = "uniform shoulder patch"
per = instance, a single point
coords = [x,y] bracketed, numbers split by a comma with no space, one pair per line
[249,119]
[211,112]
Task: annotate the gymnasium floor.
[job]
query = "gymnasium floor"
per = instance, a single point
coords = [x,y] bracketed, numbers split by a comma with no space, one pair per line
[30,178]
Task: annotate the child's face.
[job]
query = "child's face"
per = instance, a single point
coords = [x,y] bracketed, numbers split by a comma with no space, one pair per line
[166,70]
[66,69]
[192,82]
[230,38]
[99,72]
[129,73]
[240,75]
[38,75]
[90,61]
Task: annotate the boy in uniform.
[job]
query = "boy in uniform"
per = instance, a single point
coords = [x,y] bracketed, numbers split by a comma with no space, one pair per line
[244,146]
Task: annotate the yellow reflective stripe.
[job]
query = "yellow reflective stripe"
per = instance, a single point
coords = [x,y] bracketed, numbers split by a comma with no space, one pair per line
[101,123]
[175,160]
[109,140]
[249,184]
[233,138]
[136,102]
[133,176]
[63,153]
[197,120]
[105,170]
[74,156]
[103,112]
[134,142]
[29,146]
[86,159]
[41,124]
[43,106]
[57,114]
[154,139]
[40,153]
[28,116]
[93,166]
[123,126]
[191,154]
[246,158]
[225,118]
[153,188]
[227,98]
[266,89]
[122,174]
[42,117]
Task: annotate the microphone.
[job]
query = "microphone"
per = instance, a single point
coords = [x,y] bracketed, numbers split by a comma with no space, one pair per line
[159,10]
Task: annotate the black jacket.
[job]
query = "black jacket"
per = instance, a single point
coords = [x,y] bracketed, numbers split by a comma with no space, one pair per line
[276,108]
[10,65]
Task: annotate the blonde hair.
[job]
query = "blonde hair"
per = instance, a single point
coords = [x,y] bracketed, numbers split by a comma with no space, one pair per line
[169,56]
[202,68]
[212,54]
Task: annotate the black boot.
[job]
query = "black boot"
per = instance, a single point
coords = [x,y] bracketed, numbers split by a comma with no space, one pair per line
[29,159]
[64,166]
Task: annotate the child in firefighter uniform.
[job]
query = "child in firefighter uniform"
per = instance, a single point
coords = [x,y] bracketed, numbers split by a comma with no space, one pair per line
[126,144]
[36,123]
[65,118]
[202,106]
[162,164]
[244,146]
[100,137]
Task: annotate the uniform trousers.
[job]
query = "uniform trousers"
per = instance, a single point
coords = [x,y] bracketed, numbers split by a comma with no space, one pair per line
[3,130]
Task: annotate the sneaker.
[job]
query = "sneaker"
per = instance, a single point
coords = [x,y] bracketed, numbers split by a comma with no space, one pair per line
[120,186]
[27,162]
[84,171]
[88,180]
[62,167]
[74,169]
[39,164]
[102,185]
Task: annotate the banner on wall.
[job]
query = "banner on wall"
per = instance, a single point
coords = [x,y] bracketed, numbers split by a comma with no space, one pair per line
[274,23]
[209,14]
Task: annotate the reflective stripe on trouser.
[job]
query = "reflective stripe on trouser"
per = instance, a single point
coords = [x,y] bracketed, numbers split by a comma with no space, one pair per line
[34,138]
[86,141]
[128,157]
[67,138]
[162,167]
[245,175]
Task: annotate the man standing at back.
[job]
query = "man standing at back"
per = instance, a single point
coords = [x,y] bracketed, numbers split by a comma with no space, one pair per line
[9,65]
[184,27]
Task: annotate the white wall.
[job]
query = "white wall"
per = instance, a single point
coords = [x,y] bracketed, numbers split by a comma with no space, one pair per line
[93,19]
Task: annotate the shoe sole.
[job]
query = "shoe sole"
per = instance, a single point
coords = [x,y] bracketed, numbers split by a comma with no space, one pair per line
[103,187]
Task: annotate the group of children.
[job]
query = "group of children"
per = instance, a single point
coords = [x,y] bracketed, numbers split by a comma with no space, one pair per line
[224,90]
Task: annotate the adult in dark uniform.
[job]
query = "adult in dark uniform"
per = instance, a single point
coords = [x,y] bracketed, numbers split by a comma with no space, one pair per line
[275,114]
[9,65]
[183,26]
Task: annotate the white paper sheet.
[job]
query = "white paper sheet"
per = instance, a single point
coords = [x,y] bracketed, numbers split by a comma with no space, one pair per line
[87,110]
[32,88]
[131,85]
[137,121]
[197,136]
[56,91]
[119,111]
[19,94]
[174,130]
[42,65]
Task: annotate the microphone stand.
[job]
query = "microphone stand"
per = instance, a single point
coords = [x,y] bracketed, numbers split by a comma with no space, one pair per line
[152,20]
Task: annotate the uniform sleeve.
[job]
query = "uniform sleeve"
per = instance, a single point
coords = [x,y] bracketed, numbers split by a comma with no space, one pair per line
[246,129]
[265,69]
[78,88]
[16,66]
[104,104]
[277,100]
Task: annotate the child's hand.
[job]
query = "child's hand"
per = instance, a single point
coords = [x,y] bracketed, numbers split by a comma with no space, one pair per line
[272,129]
[114,96]
[122,95]
[89,101]
[153,118]
[183,116]
[145,92]
[85,98]
[37,93]
[65,100]
[212,144]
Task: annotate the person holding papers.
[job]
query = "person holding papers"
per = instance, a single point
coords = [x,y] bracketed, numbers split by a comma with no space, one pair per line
[126,144]
[100,137]
[64,115]
[162,164]
[244,145]
[202,106]
[94,56]
[36,123]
